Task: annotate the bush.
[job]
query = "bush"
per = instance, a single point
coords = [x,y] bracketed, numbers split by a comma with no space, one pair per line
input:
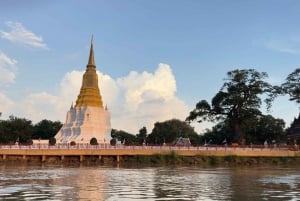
[93,141]
[73,143]
[113,142]
[52,141]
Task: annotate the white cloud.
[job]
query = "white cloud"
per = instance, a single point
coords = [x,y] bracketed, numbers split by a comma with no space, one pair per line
[147,98]
[19,34]
[134,101]
[6,104]
[40,106]
[290,45]
[7,69]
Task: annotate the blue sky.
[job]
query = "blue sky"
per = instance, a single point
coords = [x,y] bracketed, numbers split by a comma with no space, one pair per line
[157,59]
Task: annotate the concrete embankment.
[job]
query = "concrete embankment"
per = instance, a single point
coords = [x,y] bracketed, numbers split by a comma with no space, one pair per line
[145,154]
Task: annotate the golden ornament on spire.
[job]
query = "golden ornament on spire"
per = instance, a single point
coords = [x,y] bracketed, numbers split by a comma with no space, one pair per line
[89,93]
[91,62]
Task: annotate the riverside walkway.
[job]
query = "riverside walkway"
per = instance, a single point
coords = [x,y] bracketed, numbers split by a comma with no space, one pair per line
[81,151]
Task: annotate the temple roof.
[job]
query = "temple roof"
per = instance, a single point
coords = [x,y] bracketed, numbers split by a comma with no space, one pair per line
[294,130]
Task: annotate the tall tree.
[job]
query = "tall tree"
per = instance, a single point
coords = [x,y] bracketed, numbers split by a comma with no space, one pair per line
[291,86]
[238,99]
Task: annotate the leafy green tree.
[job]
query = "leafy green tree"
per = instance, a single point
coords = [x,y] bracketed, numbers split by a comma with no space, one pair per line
[218,134]
[15,129]
[268,128]
[46,129]
[170,130]
[257,130]
[238,100]
[141,137]
[291,86]
[121,135]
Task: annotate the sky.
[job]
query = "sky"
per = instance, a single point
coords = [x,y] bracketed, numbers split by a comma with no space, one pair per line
[155,59]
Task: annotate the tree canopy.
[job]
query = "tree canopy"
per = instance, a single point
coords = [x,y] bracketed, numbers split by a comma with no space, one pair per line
[22,130]
[291,86]
[168,131]
[121,135]
[142,135]
[239,99]
[257,130]
[15,130]
[46,129]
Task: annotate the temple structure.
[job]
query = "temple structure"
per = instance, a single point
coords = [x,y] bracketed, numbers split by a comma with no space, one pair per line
[293,133]
[88,118]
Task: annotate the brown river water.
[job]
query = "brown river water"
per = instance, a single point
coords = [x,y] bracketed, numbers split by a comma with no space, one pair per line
[148,183]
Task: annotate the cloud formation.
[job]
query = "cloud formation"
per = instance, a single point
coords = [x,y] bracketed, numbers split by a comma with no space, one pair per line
[7,105]
[134,101]
[8,69]
[289,45]
[19,34]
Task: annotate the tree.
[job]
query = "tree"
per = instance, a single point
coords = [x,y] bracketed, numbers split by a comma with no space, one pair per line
[141,137]
[266,128]
[257,130]
[46,129]
[123,135]
[170,130]
[291,86]
[238,100]
[15,129]
[218,134]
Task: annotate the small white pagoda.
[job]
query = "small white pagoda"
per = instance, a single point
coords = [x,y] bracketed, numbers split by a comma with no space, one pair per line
[88,118]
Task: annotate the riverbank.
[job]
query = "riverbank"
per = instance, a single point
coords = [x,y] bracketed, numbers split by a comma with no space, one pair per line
[157,160]
[148,155]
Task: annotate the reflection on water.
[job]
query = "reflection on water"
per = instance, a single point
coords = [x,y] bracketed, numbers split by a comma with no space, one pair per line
[159,183]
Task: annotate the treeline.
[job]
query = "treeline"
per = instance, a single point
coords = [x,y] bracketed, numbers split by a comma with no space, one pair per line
[267,127]
[22,130]
[166,132]
[236,107]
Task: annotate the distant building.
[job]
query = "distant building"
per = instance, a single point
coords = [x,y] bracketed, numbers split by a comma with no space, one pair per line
[182,142]
[293,132]
[88,118]
[41,142]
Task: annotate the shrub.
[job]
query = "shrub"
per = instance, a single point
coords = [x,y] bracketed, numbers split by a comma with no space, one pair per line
[93,141]
[52,141]
[113,142]
[73,143]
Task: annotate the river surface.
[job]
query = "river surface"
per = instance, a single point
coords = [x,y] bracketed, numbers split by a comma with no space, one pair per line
[150,183]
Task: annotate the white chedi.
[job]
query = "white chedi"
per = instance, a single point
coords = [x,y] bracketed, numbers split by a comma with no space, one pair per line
[83,124]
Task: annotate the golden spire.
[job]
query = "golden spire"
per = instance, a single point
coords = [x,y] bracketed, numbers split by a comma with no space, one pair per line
[91,62]
[89,93]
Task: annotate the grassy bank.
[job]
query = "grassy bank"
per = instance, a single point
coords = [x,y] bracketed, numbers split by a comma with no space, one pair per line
[200,160]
